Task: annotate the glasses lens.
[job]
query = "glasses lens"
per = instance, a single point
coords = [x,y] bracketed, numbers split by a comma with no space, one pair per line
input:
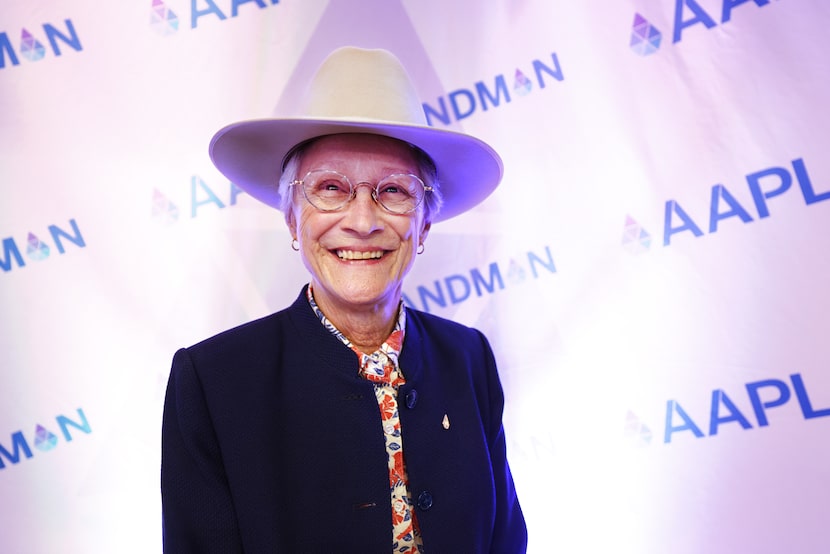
[326,190]
[400,193]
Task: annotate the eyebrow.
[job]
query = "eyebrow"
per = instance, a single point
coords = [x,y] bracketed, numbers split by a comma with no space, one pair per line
[386,170]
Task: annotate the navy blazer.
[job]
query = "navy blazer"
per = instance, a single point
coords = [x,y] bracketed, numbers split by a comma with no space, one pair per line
[271,442]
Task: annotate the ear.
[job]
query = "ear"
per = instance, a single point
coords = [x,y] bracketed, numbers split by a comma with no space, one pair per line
[291,222]
[427,225]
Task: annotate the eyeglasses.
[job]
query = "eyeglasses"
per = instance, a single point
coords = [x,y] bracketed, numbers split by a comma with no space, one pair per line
[329,191]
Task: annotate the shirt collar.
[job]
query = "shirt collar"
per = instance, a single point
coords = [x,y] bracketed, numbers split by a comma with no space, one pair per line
[373,366]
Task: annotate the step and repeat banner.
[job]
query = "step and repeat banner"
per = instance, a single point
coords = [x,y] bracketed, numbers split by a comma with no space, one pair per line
[652,273]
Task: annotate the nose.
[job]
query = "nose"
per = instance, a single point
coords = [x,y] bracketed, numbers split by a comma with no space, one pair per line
[363,212]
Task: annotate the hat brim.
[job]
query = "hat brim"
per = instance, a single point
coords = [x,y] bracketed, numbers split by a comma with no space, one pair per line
[250,154]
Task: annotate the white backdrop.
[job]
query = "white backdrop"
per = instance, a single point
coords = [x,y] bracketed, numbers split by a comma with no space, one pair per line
[652,271]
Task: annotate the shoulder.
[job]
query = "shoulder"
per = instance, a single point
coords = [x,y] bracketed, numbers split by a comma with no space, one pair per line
[248,349]
[443,330]
[290,338]
[240,362]
[257,335]
[242,335]
[232,360]
[433,341]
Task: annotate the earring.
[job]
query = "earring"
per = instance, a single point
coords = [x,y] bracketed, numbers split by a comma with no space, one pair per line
[295,245]
[420,249]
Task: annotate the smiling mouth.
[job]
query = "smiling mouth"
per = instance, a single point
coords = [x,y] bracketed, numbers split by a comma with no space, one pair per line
[353,255]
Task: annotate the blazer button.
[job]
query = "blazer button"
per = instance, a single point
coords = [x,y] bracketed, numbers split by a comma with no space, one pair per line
[411,398]
[425,501]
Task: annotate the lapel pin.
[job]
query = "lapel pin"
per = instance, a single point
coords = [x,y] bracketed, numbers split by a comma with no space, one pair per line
[445,423]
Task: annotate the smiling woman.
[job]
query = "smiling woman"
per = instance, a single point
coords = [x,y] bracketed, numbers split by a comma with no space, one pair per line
[359,254]
[285,434]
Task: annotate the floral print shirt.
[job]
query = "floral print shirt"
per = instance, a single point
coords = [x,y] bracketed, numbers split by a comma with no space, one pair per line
[381,368]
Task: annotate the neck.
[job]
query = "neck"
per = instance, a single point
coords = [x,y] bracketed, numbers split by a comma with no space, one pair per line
[366,327]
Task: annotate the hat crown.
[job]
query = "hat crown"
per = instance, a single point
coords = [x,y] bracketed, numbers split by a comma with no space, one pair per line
[355,83]
[357,91]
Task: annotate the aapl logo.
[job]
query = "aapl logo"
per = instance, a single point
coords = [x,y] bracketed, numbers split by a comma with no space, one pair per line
[646,38]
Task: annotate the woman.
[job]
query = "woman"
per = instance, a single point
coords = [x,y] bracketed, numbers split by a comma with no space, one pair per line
[346,422]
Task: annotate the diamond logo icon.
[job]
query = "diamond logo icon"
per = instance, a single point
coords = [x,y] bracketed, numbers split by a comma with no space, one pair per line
[164,209]
[635,238]
[162,19]
[635,431]
[645,38]
[30,47]
[515,272]
[521,84]
[45,440]
[35,249]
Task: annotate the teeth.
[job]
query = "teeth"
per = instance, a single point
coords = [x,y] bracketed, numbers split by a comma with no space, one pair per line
[352,255]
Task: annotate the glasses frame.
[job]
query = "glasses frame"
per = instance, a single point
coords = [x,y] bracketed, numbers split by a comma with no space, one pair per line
[353,190]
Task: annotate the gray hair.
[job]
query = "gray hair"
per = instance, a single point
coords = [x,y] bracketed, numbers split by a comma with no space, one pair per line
[426,170]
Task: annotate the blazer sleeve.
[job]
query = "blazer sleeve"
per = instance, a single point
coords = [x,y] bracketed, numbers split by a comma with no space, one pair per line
[197,508]
[509,530]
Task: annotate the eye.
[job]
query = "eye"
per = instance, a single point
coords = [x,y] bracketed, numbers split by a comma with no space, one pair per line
[331,187]
[393,188]
[398,188]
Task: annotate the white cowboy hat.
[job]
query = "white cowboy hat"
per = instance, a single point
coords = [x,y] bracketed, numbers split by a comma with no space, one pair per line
[357,91]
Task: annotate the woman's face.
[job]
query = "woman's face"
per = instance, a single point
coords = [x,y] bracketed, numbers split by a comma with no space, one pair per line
[358,256]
